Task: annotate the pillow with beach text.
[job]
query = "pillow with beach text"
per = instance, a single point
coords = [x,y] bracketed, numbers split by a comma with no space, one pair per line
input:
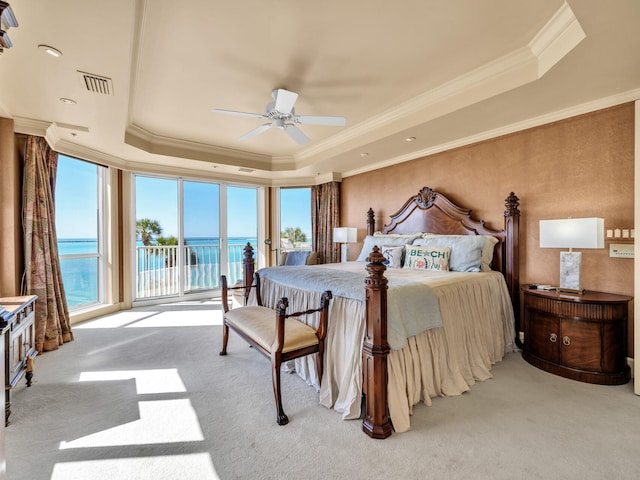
[419,257]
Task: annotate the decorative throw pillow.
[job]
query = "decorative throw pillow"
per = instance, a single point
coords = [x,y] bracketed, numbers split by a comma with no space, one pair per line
[393,256]
[427,258]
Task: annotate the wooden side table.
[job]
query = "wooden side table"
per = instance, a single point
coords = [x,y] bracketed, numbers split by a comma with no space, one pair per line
[20,351]
[577,336]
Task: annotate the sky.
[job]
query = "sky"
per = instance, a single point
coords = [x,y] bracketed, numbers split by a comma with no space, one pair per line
[74,180]
[157,199]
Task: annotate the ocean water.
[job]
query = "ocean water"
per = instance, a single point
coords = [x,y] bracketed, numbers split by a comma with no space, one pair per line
[80,275]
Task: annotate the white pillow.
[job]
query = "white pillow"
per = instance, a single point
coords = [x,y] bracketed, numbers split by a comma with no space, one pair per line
[393,256]
[488,243]
[419,257]
[487,252]
[390,241]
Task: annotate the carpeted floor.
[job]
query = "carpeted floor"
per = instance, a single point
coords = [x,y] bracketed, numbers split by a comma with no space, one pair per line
[144,395]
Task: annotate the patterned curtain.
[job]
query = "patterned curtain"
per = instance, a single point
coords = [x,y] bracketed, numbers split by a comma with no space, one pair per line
[42,265]
[325,215]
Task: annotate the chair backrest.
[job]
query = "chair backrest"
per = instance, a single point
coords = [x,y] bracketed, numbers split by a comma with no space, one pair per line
[298,257]
[244,289]
[281,315]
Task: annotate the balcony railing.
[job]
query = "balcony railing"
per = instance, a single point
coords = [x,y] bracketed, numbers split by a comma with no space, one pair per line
[157,274]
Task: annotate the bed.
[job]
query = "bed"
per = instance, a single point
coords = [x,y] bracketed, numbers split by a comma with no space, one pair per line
[393,365]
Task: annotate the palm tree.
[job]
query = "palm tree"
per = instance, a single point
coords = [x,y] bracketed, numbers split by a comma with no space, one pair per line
[146,227]
[295,234]
[167,241]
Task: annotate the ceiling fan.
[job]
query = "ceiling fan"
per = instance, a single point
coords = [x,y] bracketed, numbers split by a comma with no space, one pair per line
[281,114]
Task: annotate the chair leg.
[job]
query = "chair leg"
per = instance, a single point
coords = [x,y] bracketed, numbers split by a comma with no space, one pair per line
[281,417]
[319,358]
[320,362]
[225,337]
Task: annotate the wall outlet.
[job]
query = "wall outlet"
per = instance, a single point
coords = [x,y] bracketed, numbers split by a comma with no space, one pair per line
[625,250]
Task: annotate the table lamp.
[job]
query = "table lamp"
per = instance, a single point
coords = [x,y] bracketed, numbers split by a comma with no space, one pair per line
[345,236]
[571,233]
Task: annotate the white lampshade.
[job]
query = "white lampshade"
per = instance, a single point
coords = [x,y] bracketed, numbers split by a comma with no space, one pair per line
[345,234]
[572,233]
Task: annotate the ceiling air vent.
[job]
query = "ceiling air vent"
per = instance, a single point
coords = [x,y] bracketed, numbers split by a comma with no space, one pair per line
[96,83]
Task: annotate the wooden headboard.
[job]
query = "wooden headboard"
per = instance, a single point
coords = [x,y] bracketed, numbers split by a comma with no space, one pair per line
[430,211]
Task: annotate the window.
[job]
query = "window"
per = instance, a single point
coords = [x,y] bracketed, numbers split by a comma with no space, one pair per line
[295,219]
[80,231]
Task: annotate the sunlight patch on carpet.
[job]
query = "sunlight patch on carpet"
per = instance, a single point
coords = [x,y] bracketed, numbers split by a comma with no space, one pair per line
[147,381]
[115,320]
[197,466]
[194,318]
[161,421]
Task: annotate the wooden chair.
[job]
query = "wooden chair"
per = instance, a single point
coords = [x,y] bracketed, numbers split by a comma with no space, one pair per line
[276,334]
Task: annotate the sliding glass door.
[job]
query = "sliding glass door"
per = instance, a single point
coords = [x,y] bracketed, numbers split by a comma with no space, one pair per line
[188,233]
[242,226]
[201,207]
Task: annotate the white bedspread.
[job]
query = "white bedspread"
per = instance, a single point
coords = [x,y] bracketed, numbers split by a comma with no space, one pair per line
[477,330]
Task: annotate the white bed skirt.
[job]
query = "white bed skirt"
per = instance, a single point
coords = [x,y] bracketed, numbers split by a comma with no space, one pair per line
[444,361]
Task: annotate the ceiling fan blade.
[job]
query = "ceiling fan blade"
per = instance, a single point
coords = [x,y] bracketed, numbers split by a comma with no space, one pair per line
[284,100]
[240,114]
[295,133]
[321,120]
[256,131]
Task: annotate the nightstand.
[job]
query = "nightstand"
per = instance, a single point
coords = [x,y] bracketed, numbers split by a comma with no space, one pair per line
[577,336]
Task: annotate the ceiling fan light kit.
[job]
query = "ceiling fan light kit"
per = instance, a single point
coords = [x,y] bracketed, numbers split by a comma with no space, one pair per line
[281,114]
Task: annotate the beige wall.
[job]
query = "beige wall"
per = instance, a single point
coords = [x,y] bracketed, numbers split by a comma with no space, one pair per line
[11,263]
[580,167]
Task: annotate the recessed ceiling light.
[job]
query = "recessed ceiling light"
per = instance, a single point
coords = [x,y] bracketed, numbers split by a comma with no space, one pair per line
[364,154]
[68,101]
[409,139]
[54,52]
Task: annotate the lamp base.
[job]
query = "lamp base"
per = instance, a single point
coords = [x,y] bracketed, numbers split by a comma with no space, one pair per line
[569,290]
[344,252]
[570,263]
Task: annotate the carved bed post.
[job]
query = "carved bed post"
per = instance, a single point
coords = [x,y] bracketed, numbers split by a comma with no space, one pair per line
[375,349]
[371,222]
[512,257]
[248,266]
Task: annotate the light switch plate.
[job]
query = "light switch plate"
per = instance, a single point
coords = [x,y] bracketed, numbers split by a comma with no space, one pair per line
[624,250]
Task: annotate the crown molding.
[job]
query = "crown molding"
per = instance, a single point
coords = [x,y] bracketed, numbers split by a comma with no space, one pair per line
[71,149]
[149,142]
[557,38]
[31,126]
